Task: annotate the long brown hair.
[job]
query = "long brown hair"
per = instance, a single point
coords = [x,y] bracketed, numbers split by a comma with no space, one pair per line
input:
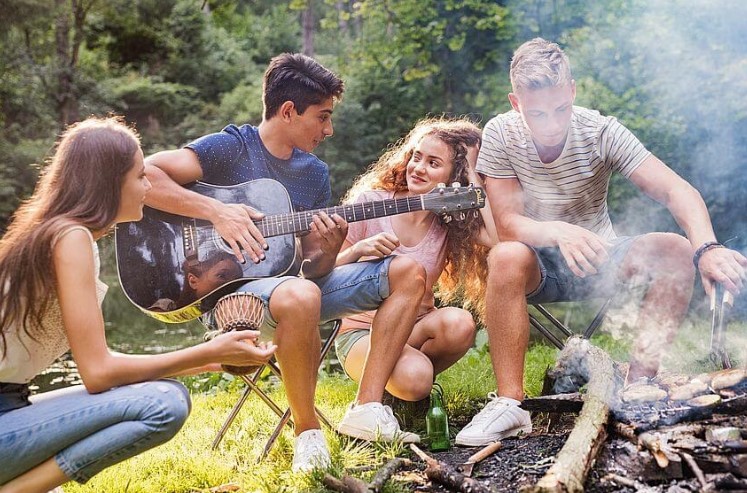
[466,259]
[81,185]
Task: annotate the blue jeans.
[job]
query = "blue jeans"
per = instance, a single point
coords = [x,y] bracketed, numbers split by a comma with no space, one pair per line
[87,433]
[349,289]
[559,283]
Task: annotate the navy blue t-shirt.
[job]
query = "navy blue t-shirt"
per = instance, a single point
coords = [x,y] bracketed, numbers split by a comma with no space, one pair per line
[236,155]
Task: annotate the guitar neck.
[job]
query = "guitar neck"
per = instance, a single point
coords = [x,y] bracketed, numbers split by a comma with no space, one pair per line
[299,222]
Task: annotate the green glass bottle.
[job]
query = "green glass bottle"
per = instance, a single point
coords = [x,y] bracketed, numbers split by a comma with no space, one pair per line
[437,422]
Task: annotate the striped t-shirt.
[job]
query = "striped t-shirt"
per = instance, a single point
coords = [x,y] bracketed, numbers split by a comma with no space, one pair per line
[573,188]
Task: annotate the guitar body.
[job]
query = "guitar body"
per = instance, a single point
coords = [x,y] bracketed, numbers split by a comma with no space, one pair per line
[155,256]
[175,268]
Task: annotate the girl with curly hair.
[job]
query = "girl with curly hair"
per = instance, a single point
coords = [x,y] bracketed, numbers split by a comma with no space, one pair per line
[453,254]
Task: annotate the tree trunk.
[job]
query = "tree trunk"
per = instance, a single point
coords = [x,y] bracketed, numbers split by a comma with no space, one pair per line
[64,95]
[67,54]
[307,20]
[342,17]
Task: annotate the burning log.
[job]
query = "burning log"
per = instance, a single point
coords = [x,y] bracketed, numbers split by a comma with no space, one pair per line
[590,364]
[558,403]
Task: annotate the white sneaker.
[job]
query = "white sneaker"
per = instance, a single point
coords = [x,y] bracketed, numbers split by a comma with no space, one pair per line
[500,418]
[310,451]
[373,421]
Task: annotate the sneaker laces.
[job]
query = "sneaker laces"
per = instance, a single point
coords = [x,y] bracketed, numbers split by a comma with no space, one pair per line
[385,417]
[310,448]
[486,414]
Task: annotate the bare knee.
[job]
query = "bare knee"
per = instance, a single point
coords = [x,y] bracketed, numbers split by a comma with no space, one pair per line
[412,378]
[407,274]
[295,297]
[457,329]
[511,263]
[662,255]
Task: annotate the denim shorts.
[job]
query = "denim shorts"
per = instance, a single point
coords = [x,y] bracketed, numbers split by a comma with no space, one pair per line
[86,433]
[349,289]
[559,283]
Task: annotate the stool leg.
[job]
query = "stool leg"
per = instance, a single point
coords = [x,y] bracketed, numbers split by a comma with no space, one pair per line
[236,407]
[275,434]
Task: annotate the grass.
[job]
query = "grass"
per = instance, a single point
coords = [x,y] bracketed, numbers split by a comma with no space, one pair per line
[188,465]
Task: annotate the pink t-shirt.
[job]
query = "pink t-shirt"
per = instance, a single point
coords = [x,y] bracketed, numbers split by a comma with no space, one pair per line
[429,252]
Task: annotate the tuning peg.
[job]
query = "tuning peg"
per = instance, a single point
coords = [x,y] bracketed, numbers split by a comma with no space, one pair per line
[447,218]
[462,216]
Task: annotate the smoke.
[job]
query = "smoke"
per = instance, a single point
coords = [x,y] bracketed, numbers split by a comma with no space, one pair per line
[675,73]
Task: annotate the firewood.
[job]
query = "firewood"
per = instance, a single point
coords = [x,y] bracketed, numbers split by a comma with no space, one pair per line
[442,473]
[558,403]
[347,484]
[385,472]
[696,470]
[574,460]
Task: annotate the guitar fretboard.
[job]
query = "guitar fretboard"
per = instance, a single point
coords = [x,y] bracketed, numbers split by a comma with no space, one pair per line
[297,222]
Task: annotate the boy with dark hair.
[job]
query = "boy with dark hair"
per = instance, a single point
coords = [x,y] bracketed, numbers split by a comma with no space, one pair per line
[299,98]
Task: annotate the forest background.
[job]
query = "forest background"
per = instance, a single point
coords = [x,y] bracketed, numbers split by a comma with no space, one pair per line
[674,72]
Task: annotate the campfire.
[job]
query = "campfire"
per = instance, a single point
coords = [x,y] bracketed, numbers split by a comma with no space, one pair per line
[668,428]
[673,433]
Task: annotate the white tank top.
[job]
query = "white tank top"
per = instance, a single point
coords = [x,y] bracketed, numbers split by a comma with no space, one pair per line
[24,357]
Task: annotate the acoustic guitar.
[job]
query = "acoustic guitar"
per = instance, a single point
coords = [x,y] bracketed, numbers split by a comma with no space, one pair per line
[175,268]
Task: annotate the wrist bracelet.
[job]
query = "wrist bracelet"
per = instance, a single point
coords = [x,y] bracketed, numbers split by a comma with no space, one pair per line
[708,245]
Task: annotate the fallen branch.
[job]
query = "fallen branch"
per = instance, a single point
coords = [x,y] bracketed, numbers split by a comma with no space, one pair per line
[696,470]
[623,481]
[442,473]
[346,484]
[581,359]
[350,484]
[386,471]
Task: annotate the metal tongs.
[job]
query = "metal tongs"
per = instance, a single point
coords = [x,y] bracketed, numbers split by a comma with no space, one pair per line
[721,301]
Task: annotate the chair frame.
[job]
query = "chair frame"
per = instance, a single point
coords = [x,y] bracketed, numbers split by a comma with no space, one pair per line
[253,385]
[553,338]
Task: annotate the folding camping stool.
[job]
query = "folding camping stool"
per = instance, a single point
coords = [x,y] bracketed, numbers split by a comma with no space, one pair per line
[253,384]
[560,327]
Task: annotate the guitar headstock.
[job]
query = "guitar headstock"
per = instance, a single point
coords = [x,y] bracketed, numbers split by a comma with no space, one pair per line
[453,201]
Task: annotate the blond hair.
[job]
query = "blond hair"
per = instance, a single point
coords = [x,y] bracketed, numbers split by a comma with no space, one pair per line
[538,64]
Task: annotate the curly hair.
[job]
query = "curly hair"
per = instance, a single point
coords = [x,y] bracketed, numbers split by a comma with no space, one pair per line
[466,266]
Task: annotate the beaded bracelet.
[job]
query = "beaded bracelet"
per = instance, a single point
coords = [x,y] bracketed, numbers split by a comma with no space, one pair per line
[708,245]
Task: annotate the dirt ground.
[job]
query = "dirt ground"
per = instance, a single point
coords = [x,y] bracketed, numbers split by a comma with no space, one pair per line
[522,462]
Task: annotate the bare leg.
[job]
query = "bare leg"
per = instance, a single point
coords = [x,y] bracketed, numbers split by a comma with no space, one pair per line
[444,335]
[664,258]
[295,304]
[513,273]
[40,479]
[391,327]
[411,379]
[438,340]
